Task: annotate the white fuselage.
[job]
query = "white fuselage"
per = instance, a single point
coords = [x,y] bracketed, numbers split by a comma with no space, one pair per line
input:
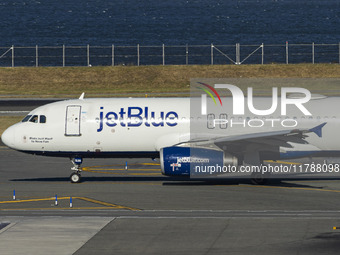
[102,126]
[142,126]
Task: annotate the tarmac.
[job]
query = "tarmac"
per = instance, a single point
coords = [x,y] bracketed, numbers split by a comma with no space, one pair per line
[21,106]
[139,211]
[115,210]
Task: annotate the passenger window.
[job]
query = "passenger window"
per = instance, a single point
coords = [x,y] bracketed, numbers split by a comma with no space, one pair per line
[42,119]
[26,118]
[34,119]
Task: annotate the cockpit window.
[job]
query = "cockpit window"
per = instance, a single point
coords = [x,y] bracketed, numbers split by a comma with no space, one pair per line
[34,119]
[42,119]
[26,118]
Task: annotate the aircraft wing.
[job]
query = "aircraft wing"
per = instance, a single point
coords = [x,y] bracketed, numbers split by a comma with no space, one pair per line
[262,141]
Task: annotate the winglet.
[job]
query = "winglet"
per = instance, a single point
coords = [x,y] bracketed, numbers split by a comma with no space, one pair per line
[82,96]
[317,129]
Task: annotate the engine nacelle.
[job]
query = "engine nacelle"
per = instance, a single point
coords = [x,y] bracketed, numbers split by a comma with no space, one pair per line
[184,161]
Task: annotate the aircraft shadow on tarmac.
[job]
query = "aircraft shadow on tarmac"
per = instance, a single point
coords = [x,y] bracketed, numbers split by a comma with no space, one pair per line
[180,181]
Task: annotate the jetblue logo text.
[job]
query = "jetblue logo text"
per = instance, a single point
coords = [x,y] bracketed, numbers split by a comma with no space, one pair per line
[136,117]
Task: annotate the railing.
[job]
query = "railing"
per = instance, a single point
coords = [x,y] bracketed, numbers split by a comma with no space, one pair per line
[168,55]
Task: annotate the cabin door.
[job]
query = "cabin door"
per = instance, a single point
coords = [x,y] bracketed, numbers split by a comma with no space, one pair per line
[72,125]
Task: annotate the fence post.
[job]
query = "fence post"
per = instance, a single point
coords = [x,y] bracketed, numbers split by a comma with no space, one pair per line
[113,55]
[36,56]
[138,55]
[186,54]
[262,60]
[212,54]
[238,57]
[12,55]
[287,53]
[313,52]
[63,55]
[88,55]
[163,54]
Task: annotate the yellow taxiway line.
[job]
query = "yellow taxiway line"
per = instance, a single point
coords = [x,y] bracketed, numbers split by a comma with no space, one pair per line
[133,174]
[292,188]
[282,162]
[121,170]
[106,204]
[117,169]
[58,208]
[33,200]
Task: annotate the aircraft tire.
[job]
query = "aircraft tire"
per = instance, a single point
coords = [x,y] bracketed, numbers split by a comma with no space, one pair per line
[75,178]
[259,179]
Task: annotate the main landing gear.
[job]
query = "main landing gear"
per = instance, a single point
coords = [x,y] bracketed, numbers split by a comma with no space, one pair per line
[75,177]
[260,178]
[252,158]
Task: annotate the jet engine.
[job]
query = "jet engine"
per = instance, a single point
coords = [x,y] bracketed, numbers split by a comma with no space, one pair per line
[194,161]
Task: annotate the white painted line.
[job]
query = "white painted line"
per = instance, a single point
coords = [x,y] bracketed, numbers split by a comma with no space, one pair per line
[6,112]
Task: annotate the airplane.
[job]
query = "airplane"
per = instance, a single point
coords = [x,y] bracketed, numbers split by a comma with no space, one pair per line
[163,128]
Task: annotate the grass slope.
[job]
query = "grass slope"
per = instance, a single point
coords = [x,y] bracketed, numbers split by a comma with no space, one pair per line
[63,81]
[118,80]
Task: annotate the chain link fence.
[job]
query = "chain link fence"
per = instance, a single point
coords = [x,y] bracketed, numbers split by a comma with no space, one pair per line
[168,55]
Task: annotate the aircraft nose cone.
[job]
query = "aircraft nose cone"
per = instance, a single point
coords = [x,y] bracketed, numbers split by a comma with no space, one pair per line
[8,137]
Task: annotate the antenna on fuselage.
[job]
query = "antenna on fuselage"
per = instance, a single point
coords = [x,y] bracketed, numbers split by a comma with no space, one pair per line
[82,96]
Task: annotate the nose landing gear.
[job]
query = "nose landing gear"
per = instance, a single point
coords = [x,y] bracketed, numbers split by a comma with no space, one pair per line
[76,177]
